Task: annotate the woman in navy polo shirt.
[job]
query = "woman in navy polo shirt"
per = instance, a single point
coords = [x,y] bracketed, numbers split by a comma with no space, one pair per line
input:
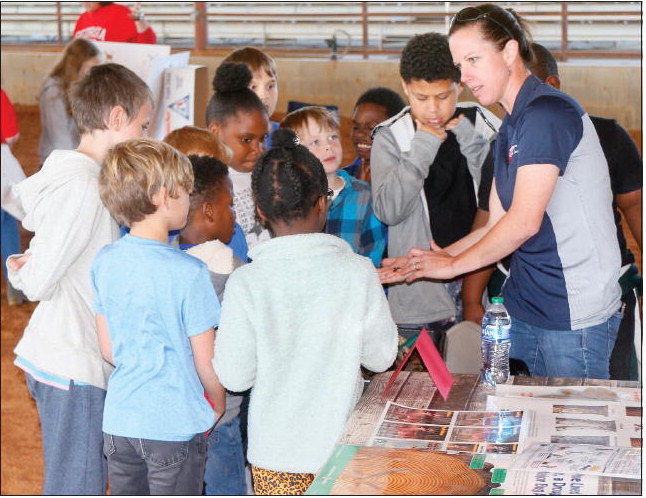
[550,205]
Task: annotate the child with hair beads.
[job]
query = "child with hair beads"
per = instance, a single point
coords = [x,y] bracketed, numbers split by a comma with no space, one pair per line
[156,313]
[59,351]
[297,323]
[239,119]
[193,140]
[208,229]
[372,107]
[350,214]
[264,81]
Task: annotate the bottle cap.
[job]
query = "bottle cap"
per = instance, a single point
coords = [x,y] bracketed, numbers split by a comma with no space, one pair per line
[497,300]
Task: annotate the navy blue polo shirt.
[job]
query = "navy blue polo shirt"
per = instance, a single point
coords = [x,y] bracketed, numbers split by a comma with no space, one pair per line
[565,276]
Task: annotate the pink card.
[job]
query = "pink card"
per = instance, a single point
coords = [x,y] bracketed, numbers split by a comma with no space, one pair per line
[432,361]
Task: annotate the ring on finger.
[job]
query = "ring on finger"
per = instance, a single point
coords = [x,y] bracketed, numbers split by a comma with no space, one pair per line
[416,266]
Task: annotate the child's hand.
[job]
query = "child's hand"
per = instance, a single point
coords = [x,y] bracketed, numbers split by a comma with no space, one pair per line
[452,123]
[15,264]
[435,131]
[391,270]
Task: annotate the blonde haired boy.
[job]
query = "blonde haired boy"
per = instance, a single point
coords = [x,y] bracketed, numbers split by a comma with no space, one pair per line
[59,351]
[350,214]
[156,313]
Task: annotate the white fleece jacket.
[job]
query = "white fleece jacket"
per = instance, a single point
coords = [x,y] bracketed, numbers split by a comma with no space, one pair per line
[296,325]
[71,224]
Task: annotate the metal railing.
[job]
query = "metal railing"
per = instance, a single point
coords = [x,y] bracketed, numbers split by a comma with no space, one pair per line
[570,29]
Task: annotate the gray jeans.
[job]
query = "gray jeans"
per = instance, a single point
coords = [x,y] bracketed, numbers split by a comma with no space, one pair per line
[149,467]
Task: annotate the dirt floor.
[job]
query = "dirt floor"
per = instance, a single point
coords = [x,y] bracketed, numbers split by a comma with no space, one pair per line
[21,462]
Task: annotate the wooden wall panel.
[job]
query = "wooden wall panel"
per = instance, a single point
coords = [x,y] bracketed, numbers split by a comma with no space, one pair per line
[610,89]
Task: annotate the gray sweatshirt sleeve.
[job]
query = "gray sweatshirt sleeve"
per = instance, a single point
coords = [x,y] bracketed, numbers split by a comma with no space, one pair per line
[398,177]
[58,129]
[474,147]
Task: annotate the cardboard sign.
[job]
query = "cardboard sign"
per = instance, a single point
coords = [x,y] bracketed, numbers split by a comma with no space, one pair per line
[185,96]
[432,361]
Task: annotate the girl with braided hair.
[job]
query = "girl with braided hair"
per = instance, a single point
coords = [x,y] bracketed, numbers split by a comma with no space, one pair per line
[237,116]
[297,324]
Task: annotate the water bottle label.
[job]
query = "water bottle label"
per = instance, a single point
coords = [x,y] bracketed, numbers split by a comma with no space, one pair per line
[496,332]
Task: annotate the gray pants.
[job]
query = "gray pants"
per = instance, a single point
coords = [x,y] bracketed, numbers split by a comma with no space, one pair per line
[149,467]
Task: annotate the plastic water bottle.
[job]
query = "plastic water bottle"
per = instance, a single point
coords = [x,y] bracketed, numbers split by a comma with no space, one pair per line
[496,341]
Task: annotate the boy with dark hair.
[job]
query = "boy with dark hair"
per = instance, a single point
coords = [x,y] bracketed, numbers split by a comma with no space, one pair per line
[59,351]
[209,227]
[626,178]
[426,166]
[156,313]
[372,107]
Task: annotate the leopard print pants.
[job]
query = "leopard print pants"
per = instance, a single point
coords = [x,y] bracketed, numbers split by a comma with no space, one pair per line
[269,482]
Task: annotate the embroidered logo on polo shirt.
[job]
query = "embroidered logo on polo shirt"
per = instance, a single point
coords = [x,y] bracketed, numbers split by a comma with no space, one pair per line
[512,150]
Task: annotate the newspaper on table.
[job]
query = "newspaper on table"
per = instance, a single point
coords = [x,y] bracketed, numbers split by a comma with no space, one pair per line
[496,432]
[576,415]
[580,459]
[545,483]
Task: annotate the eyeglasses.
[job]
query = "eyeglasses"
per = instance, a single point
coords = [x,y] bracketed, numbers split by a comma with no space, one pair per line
[482,15]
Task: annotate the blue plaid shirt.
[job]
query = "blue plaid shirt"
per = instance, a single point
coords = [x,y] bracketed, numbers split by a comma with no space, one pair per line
[350,217]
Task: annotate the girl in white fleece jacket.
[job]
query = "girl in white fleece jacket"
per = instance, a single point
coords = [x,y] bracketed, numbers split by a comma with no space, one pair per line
[297,323]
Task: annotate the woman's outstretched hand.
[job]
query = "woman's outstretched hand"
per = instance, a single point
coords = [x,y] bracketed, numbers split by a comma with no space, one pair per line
[419,263]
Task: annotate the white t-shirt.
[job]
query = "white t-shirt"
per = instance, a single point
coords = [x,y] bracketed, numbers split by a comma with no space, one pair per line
[245,208]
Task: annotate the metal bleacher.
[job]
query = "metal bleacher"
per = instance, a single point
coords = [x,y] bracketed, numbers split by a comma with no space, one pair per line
[606,28]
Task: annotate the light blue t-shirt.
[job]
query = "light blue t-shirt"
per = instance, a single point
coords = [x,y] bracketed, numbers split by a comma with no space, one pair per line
[154,297]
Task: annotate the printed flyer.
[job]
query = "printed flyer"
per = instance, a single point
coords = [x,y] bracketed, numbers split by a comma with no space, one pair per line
[581,459]
[496,432]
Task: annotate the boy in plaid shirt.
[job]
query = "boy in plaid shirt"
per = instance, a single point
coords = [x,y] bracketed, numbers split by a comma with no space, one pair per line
[350,214]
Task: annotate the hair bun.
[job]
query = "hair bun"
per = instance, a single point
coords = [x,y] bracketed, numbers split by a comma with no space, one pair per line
[231,77]
[285,138]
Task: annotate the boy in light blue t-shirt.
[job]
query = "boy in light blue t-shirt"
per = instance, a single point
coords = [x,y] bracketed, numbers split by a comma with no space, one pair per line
[156,309]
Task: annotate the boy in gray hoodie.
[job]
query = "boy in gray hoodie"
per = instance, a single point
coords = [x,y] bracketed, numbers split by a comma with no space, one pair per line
[426,168]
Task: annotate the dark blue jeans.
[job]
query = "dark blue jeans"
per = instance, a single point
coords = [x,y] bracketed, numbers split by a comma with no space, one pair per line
[225,463]
[149,467]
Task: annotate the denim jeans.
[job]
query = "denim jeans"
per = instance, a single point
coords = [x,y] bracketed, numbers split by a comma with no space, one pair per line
[70,422]
[150,467]
[10,241]
[225,464]
[10,244]
[583,353]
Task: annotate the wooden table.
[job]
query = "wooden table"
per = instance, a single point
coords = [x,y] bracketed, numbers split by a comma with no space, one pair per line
[416,389]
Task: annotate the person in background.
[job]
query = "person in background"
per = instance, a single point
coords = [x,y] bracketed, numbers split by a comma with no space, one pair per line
[112,22]
[264,80]
[237,116]
[59,351]
[11,173]
[297,323]
[209,227]
[350,214]
[550,207]
[58,129]
[156,311]
[626,179]
[198,141]
[426,165]
[372,107]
